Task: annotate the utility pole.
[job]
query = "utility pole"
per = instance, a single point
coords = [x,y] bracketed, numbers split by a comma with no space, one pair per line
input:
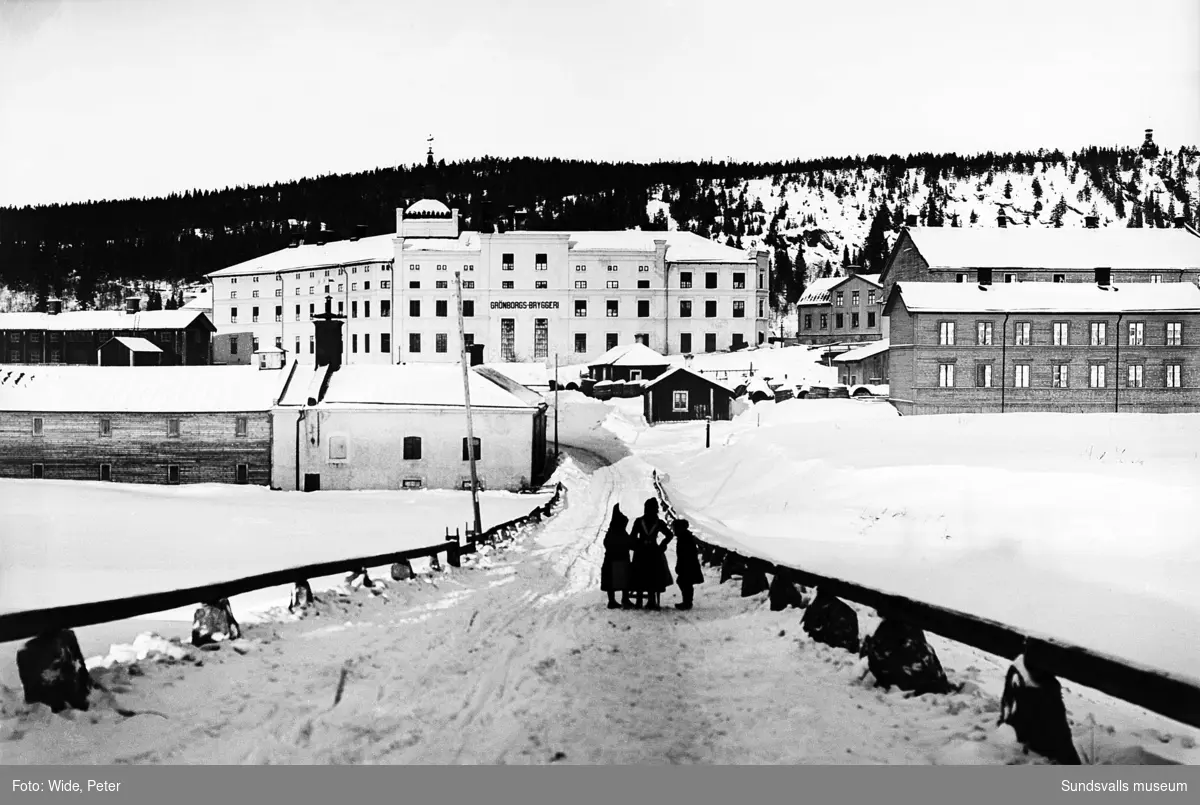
[466,373]
[556,385]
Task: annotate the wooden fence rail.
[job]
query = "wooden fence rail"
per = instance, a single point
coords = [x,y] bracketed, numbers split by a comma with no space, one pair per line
[1161,692]
[32,623]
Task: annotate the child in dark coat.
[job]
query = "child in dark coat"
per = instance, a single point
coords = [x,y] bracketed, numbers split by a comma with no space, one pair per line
[688,571]
[651,571]
[615,569]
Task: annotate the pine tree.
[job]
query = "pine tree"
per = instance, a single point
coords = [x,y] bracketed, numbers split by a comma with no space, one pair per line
[1008,189]
[974,217]
[799,276]
[1037,188]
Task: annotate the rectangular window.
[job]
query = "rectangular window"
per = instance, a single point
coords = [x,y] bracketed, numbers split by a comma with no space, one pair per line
[611,340]
[807,321]
[840,319]
[414,308]
[580,342]
[1021,376]
[581,285]
[983,375]
[441,308]
[1174,333]
[946,375]
[739,310]
[476,448]
[1136,375]
[612,284]
[1156,277]
[710,279]
[710,309]
[38,425]
[1010,277]
[233,315]
[254,294]
[540,285]
[1060,277]
[1137,333]
[945,333]
[39,471]
[254,314]
[612,268]
[414,267]
[468,284]
[385,284]
[385,343]
[1060,374]
[580,308]
[508,340]
[241,426]
[643,268]
[854,298]
[685,308]
[985,276]
[173,428]
[279,291]
[106,472]
[1174,375]
[581,268]
[412,448]
[540,262]
[1096,378]
[983,333]
[611,308]
[354,286]
[541,338]
[870,297]
[685,342]
[440,284]
[643,284]
[468,308]
[172,473]
[1099,333]
[762,314]
[507,285]
[643,307]
[439,342]
[507,263]
[354,343]
[105,426]
[414,343]
[297,313]
[385,309]
[311,290]
[685,279]
[414,285]
[824,321]
[312,346]
[1062,333]
[739,280]
[960,277]
[366,342]
[354,310]
[762,280]
[853,320]
[871,319]
[679,401]
[1023,333]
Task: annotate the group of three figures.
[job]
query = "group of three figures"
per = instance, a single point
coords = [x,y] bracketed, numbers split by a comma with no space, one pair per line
[647,575]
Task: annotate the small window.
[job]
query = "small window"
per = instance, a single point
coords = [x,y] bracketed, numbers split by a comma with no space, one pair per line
[612,308]
[945,333]
[643,308]
[105,426]
[983,376]
[540,285]
[507,262]
[411,483]
[581,285]
[1136,376]
[710,279]
[173,427]
[1174,333]
[540,262]
[685,279]
[1023,333]
[241,426]
[507,285]
[412,448]
[439,342]
[441,308]
[710,309]
[1174,375]
[468,308]
[581,308]
[39,471]
[679,401]
[870,316]
[243,473]
[1021,376]
[1060,277]
[643,284]
[1096,376]
[414,285]
[960,277]
[739,280]
[1060,374]
[613,284]
[38,426]
[478,444]
[946,375]
[172,473]
[337,448]
[580,343]
[414,308]
[414,342]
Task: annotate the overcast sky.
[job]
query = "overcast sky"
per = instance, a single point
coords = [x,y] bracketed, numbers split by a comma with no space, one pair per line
[119,98]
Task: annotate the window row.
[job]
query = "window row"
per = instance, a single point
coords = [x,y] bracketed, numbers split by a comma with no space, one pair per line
[840,298]
[241,472]
[1096,334]
[1058,375]
[839,320]
[172,425]
[412,450]
[737,340]
[612,308]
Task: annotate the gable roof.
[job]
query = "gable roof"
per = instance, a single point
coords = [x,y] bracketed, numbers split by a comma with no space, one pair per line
[676,370]
[77,320]
[134,344]
[861,353]
[147,389]
[373,249]
[406,384]
[870,279]
[1045,297]
[635,354]
[1049,248]
[817,292]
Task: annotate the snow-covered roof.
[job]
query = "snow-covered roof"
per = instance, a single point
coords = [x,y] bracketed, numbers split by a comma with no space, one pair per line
[103,320]
[428,206]
[1065,248]
[636,354]
[862,353]
[527,374]
[424,384]
[1057,297]
[759,385]
[675,369]
[465,242]
[871,279]
[202,302]
[682,247]
[147,389]
[522,393]
[374,249]
[135,344]
[817,292]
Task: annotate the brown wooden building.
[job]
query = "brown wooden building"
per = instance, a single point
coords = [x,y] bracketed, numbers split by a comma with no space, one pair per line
[171,424]
[76,337]
[1070,347]
[865,366]
[681,394]
[628,362]
[841,309]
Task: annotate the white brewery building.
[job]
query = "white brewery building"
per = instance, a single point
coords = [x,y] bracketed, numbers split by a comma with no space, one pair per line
[527,295]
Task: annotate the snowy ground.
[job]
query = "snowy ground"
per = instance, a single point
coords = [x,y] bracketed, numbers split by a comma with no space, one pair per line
[69,542]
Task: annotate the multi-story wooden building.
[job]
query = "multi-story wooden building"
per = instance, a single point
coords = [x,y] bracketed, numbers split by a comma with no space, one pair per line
[841,309]
[161,425]
[527,296]
[1004,254]
[1070,347]
[184,336]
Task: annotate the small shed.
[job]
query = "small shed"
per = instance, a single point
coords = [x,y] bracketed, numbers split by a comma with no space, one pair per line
[270,358]
[681,394]
[867,365]
[628,362]
[129,351]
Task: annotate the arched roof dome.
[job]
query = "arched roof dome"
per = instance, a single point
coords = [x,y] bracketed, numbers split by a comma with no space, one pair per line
[428,206]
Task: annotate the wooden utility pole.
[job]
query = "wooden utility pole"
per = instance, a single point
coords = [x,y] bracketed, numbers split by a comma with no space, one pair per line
[466,373]
[556,385]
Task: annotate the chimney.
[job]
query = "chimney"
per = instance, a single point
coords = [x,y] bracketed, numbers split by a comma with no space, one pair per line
[328,336]
[519,222]
[133,304]
[1180,222]
[54,306]
[1104,277]
[912,220]
[399,221]
[1092,221]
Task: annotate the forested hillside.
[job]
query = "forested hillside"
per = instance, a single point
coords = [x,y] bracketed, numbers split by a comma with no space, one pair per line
[815,216]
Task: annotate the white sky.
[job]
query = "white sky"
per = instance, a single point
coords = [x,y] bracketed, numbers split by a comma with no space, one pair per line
[118,98]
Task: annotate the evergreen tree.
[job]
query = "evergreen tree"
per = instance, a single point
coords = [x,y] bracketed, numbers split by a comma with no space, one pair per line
[1037,188]
[781,277]
[799,276]
[1008,189]
[875,248]
[154,301]
[659,222]
[974,217]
